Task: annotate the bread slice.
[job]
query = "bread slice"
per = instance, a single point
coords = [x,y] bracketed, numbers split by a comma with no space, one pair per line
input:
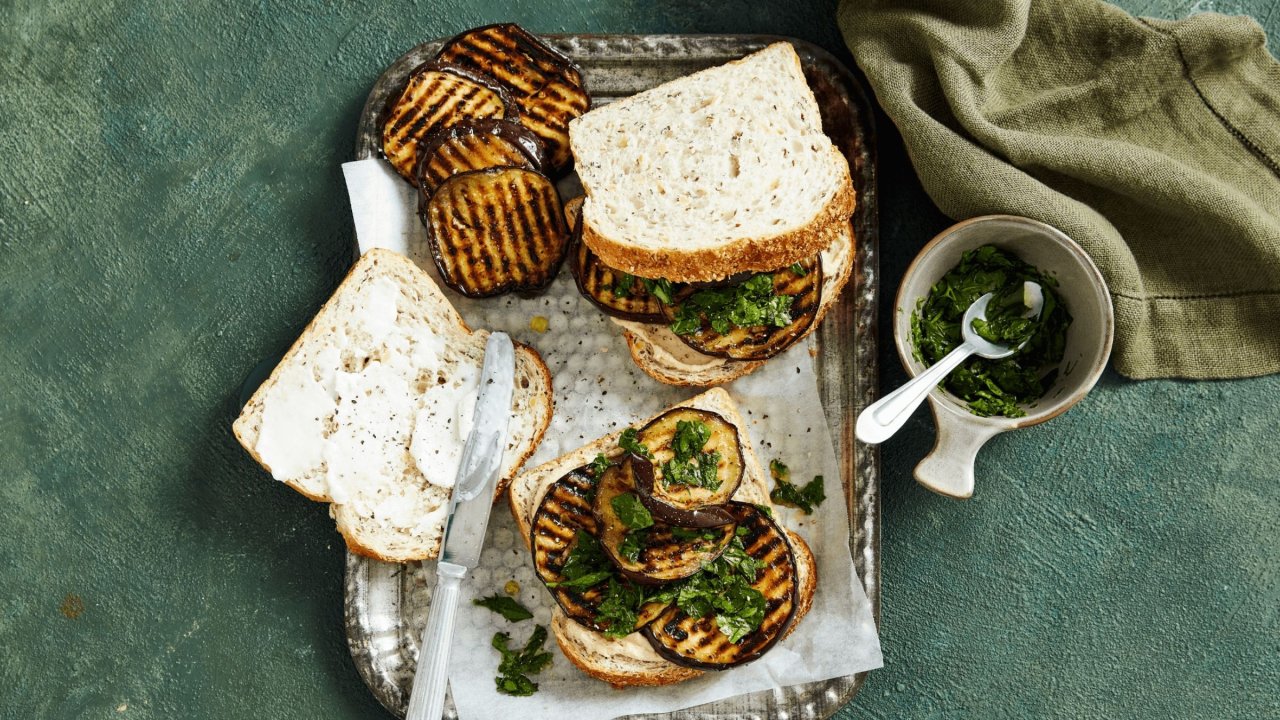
[720,172]
[631,660]
[667,359]
[369,409]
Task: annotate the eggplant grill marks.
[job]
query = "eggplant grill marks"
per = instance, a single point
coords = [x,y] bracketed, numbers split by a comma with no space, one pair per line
[611,290]
[663,557]
[698,642]
[435,97]
[763,341]
[497,230]
[565,509]
[475,145]
[545,84]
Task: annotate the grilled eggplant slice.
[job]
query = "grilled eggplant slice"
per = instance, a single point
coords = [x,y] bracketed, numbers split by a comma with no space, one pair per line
[497,230]
[436,96]
[565,510]
[761,342]
[613,291]
[676,503]
[545,84]
[666,553]
[675,514]
[697,642]
[475,145]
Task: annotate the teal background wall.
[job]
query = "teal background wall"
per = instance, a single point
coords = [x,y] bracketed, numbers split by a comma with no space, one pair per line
[172,211]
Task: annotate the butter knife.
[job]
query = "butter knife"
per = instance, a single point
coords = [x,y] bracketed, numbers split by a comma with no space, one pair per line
[469,507]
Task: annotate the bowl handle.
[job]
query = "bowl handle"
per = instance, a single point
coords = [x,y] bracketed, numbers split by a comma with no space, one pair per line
[948,468]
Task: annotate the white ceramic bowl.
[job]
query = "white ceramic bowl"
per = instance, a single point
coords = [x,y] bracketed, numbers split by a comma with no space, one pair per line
[948,468]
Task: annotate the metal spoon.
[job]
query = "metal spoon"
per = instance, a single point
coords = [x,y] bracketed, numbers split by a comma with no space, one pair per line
[880,420]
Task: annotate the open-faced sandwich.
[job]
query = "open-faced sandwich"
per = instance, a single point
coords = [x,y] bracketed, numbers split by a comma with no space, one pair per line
[716,225]
[660,547]
[369,409]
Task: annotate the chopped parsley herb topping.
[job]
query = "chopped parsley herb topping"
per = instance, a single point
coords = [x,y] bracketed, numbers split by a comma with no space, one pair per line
[660,288]
[598,466]
[620,610]
[805,497]
[633,544]
[798,269]
[630,441]
[993,387]
[622,286]
[690,466]
[518,665]
[631,511]
[505,606]
[752,303]
[723,589]
[586,565]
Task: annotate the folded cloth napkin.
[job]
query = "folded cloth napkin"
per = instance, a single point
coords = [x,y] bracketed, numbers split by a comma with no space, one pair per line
[1154,144]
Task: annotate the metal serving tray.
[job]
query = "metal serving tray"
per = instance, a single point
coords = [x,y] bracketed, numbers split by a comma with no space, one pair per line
[386,604]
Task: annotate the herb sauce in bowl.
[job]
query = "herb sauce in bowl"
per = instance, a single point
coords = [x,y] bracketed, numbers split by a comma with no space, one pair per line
[993,387]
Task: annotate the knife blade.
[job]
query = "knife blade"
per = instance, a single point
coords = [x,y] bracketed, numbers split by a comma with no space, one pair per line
[469,507]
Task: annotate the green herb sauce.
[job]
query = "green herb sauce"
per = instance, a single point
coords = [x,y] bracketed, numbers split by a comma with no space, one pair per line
[993,387]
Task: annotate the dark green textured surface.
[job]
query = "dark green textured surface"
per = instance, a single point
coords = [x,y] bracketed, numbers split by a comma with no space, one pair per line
[171,210]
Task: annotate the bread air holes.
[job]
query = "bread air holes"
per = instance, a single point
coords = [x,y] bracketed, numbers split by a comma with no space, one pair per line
[424,381]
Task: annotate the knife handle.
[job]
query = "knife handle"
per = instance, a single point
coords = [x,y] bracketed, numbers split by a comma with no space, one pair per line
[426,701]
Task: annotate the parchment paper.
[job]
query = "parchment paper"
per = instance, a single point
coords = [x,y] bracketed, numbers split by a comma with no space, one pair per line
[597,390]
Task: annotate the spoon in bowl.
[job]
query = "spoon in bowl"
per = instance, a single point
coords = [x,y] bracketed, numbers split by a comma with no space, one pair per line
[881,419]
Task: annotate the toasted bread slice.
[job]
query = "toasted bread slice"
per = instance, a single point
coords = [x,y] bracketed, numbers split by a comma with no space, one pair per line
[724,171]
[369,409]
[631,660]
[667,359]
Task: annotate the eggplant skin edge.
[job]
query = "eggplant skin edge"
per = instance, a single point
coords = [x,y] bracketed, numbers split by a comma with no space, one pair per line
[728,486]
[783,627]
[560,58]
[513,133]
[690,562]
[511,111]
[704,516]
[581,264]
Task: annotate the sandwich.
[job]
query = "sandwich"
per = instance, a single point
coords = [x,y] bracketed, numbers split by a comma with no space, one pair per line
[715,226]
[370,408]
[660,547]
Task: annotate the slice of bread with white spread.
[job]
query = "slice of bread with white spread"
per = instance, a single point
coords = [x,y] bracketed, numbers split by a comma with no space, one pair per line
[666,358]
[724,171]
[631,661]
[371,406]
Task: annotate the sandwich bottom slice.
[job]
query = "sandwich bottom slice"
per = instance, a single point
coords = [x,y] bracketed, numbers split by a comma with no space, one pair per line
[631,660]
[667,358]
[370,408]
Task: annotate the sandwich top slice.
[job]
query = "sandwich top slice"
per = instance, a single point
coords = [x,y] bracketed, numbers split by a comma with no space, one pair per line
[370,408]
[718,173]
[574,503]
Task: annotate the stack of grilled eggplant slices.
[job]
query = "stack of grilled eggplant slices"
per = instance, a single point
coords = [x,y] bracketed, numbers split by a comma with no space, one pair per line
[481,131]
[660,548]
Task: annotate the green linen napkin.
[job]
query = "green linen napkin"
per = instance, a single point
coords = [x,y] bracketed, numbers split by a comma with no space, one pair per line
[1155,145]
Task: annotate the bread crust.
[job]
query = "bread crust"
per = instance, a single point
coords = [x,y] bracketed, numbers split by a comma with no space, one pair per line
[755,254]
[642,337]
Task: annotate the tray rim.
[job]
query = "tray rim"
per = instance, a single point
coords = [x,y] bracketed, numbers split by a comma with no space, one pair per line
[864,503]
